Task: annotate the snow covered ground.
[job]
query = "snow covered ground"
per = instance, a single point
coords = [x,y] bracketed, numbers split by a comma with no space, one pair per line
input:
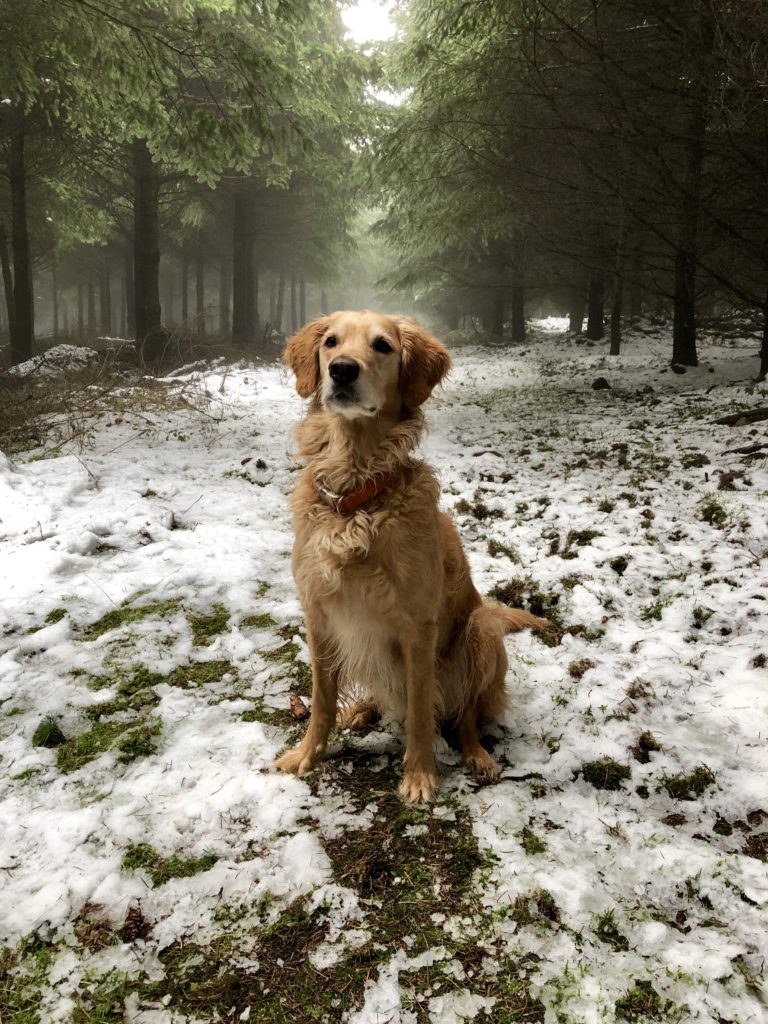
[153,866]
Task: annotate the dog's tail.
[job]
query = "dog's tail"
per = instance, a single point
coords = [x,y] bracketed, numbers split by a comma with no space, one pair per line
[512,620]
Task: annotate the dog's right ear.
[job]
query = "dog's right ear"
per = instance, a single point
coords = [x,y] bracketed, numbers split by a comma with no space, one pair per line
[301,355]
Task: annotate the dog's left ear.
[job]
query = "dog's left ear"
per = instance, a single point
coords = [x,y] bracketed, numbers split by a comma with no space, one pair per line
[425,362]
[301,355]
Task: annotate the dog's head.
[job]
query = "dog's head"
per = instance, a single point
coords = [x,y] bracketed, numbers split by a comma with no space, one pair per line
[363,363]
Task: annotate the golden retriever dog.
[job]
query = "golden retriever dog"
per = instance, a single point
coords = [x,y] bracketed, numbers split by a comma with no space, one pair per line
[393,620]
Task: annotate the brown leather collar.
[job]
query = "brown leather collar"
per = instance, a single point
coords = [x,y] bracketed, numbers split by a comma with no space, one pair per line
[353,500]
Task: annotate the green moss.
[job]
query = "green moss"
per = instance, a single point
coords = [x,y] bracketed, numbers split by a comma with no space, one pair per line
[652,612]
[605,773]
[162,869]
[641,1002]
[206,627]
[139,742]
[537,907]
[690,786]
[48,734]
[608,932]
[23,979]
[128,614]
[200,673]
[531,843]
[135,692]
[55,615]
[712,512]
[581,537]
[263,621]
[84,748]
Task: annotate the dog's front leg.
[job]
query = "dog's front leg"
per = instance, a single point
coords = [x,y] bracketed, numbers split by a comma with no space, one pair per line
[323,716]
[420,775]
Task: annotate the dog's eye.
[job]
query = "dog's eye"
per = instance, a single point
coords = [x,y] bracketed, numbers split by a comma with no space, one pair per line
[382,345]
[330,341]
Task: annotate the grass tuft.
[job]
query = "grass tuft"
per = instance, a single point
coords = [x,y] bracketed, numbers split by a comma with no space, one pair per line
[605,773]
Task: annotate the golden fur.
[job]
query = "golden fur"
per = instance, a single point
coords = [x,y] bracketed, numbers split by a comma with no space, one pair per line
[390,608]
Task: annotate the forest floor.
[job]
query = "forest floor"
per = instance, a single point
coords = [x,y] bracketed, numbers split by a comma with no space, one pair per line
[154,867]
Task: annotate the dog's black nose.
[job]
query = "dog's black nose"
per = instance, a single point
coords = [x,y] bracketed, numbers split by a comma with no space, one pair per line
[344,370]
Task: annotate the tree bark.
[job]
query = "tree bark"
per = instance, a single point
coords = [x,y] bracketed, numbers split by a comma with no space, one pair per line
[80,317]
[280,303]
[5,261]
[146,252]
[242,270]
[596,309]
[764,347]
[225,287]
[200,291]
[576,308]
[105,295]
[184,286]
[272,298]
[91,305]
[616,304]
[130,298]
[302,300]
[294,311]
[23,335]
[55,300]
[701,31]
[518,312]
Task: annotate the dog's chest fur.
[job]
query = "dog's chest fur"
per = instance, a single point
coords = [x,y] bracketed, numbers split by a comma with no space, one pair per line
[357,569]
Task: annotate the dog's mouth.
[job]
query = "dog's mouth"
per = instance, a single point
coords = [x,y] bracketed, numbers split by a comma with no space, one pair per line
[344,398]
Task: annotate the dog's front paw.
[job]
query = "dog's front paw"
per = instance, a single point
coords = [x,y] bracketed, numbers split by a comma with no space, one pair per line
[481,764]
[418,787]
[298,761]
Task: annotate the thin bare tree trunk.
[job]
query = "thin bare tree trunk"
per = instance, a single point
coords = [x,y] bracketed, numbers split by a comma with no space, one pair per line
[23,336]
[146,252]
[280,302]
[5,261]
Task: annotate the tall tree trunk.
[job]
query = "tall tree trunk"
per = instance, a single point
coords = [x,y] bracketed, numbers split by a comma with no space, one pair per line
[764,347]
[80,317]
[302,300]
[518,312]
[200,291]
[105,295]
[616,303]
[242,269]
[699,41]
[55,300]
[280,303]
[617,295]
[185,286]
[272,298]
[496,312]
[576,308]
[5,261]
[256,310]
[596,309]
[130,297]
[225,287]
[146,252]
[294,311]
[65,316]
[23,335]
[91,305]
[123,307]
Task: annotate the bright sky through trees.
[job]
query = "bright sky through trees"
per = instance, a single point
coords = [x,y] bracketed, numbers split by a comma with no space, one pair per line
[369,20]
